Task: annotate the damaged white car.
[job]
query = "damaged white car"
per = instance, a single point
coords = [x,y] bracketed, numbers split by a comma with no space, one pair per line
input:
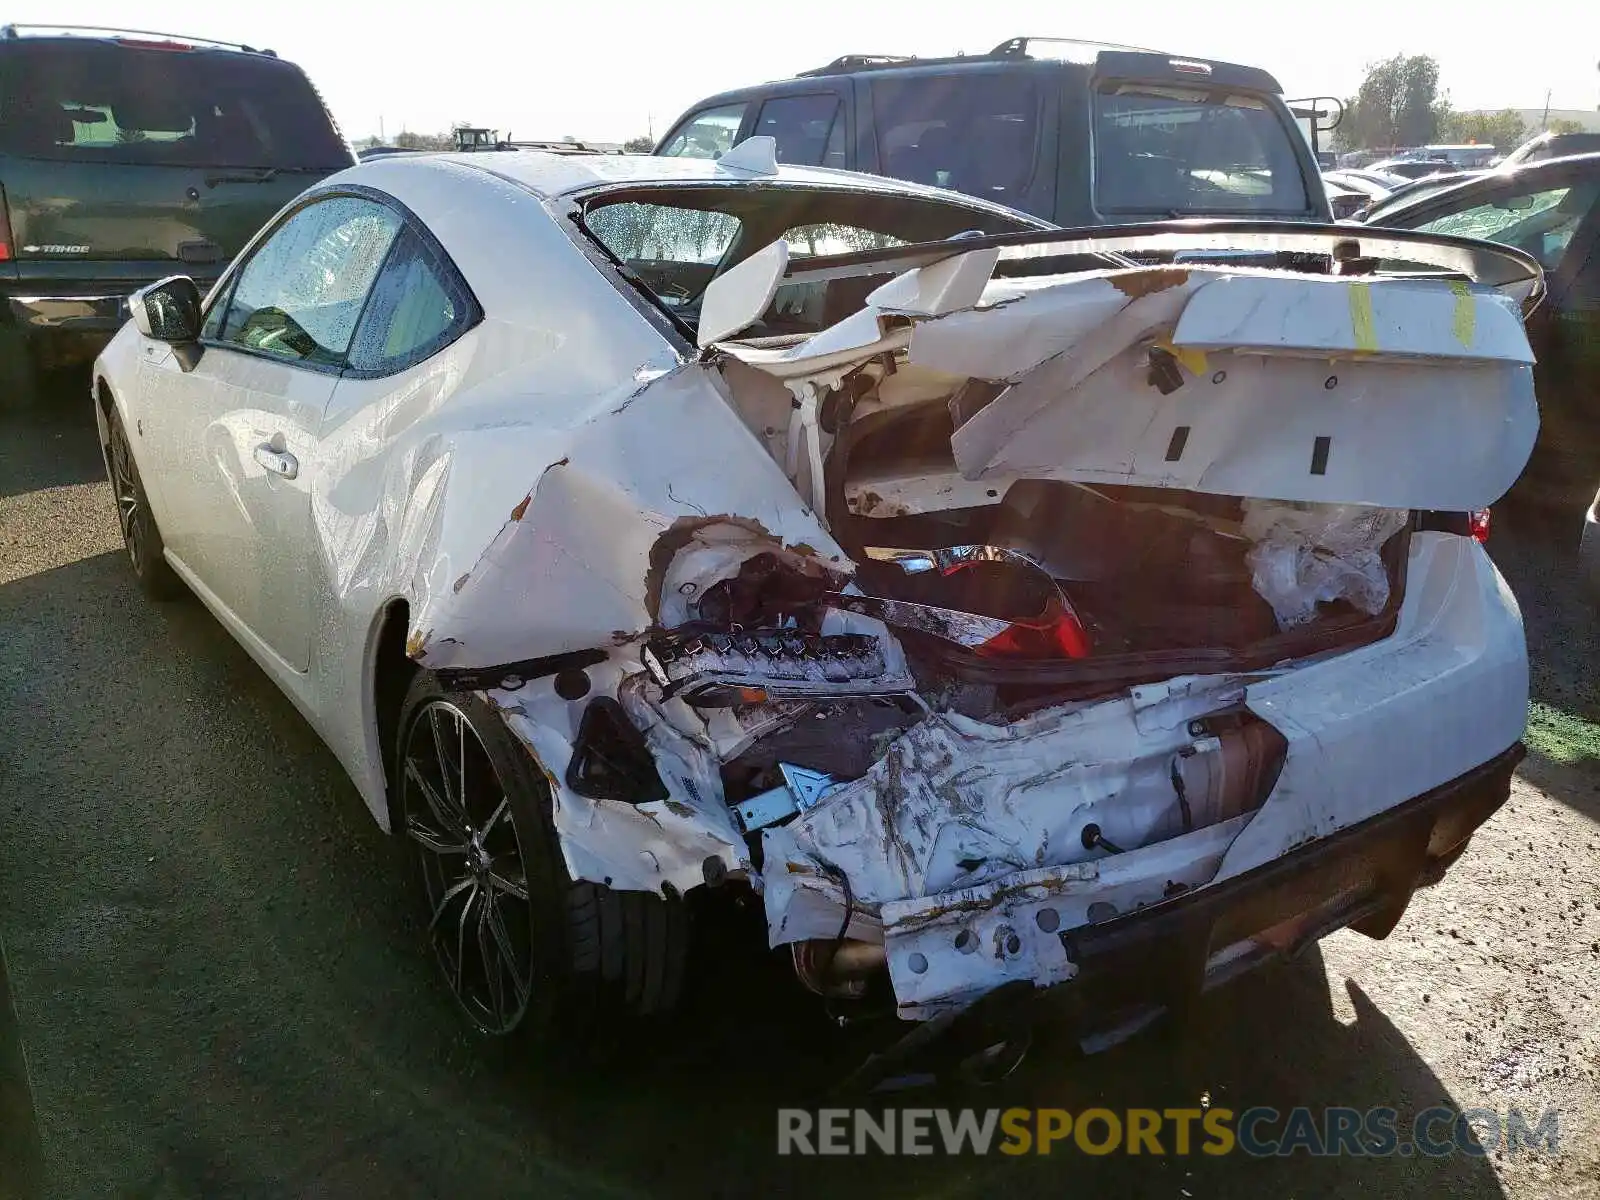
[1073,616]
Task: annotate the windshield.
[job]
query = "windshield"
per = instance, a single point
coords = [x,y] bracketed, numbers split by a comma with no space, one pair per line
[1539,223]
[1182,151]
[102,102]
[672,241]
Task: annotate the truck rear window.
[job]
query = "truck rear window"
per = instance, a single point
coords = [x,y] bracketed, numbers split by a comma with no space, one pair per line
[100,102]
[1174,151]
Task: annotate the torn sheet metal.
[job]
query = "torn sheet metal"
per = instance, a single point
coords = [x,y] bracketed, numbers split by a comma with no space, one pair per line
[946,950]
[1399,393]
[579,560]
[639,847]
[1359,742]
[957,803]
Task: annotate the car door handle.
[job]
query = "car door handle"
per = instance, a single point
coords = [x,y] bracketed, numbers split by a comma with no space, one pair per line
[279,461]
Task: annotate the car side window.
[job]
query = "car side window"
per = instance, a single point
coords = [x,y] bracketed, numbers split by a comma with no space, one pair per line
[418,307]
[803,128]
[972,132]
[707,134]
[299,296]
[1540,223]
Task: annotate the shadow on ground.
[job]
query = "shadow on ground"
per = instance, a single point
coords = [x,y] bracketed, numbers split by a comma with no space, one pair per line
[1536,550]
[50,442]
[223,990]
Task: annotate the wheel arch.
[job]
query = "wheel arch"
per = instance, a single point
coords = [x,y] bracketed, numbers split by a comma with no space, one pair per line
[105,404]
[389,673]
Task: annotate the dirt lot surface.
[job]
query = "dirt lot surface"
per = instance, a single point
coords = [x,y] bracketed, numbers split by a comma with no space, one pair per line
[221,989]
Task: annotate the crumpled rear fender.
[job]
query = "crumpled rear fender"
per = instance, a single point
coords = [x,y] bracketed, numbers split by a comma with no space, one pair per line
[578,561]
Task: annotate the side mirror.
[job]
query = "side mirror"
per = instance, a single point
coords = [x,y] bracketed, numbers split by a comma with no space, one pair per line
[168,310]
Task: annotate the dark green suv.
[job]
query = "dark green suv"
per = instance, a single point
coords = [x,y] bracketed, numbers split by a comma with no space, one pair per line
[126,157]
[1075,132]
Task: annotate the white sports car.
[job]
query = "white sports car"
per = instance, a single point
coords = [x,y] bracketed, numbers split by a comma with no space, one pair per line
[1019,612]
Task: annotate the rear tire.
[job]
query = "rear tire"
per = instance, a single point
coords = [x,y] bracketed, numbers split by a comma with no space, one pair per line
[527,952]
[140,534]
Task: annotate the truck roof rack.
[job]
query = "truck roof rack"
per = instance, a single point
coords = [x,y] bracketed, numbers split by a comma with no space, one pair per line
[846,63]
[14,31]
[1017,47]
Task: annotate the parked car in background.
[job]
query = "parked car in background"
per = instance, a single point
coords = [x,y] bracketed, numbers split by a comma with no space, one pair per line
[996,613]
[1549,210]
[126,156]
[1470,156]
[1376,184]
[1551,145]
[1416,168]
[1411,190]
[1344,199]
[1077,133]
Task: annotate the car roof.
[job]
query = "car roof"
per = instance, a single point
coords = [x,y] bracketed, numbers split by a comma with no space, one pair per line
[1577,164]
[554,176]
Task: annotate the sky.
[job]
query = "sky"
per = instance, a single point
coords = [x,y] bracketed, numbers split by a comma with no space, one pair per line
[629,68]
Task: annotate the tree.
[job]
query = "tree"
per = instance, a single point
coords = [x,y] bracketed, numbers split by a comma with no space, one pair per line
[1565,125]
[424,141]
[1398,105]
[639,145]
[1503,130]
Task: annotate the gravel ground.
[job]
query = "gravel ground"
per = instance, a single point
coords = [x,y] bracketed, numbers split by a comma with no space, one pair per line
[221,990]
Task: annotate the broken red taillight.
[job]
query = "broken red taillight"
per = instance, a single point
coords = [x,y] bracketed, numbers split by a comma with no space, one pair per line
[1061,637]
[991,600]
[1478,525]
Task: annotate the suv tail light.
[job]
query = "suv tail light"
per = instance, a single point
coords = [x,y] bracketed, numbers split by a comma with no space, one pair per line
[1478,522]
[5,228]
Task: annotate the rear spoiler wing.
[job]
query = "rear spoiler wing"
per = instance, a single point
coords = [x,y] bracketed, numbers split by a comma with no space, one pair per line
[1351,249]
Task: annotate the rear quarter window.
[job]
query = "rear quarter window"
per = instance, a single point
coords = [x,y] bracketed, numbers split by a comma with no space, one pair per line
[102,102]
[709,133]
[808,130]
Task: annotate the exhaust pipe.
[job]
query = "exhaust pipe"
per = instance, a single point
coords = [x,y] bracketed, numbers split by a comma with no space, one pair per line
[838,968]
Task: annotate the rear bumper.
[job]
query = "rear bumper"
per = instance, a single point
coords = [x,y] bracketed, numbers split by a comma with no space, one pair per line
[1165,956]
[1117,973]
[1132,970]
[94,313]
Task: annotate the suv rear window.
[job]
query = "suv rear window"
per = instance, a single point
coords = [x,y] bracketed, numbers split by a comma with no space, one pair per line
[1179,151]
[100,102]
[969,131]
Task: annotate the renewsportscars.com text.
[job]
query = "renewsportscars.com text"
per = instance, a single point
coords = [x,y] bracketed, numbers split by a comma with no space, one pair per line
[1261,1132]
